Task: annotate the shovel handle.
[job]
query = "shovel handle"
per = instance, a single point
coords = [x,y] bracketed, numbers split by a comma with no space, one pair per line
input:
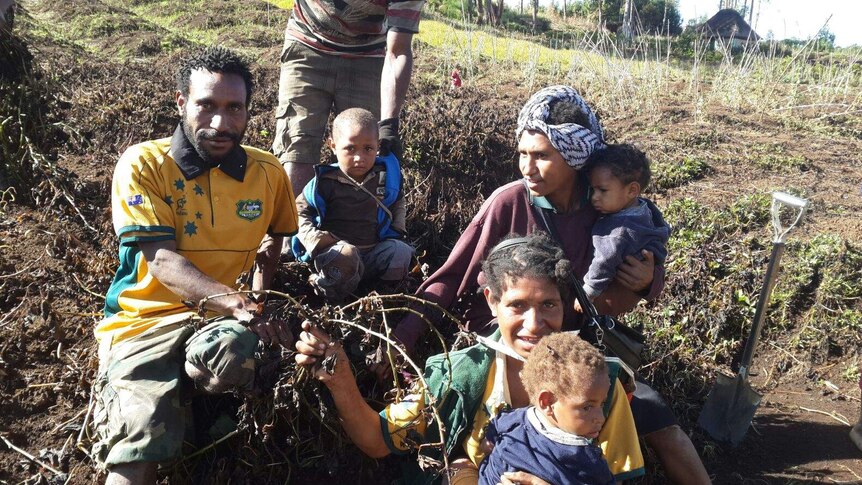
[784,199]
[760,312]
[790,200]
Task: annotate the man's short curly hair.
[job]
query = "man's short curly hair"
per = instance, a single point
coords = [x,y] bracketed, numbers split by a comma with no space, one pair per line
[215,59]
[626,162]
[561,362]
[536,256]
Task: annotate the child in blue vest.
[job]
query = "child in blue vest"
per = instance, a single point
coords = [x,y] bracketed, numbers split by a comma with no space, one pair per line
[352,214]
[630,224]
[567,381]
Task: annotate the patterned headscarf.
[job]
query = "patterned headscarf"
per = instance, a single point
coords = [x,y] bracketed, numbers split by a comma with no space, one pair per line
[574,142]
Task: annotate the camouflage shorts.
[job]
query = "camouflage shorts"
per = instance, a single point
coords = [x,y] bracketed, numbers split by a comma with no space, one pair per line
[139,414]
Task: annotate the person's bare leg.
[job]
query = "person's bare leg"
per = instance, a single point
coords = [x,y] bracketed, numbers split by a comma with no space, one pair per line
[299,175]
[464,472]
[132,474]
[204,380]
[678,457]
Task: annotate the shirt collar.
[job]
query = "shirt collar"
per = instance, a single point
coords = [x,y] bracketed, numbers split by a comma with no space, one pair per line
[499,398]
[546,429]
[542,203]
[192,165]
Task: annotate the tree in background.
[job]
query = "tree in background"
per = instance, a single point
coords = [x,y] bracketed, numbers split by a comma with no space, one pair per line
[658,16]
[624,16]
[746,7]
[535,14]
[825,40]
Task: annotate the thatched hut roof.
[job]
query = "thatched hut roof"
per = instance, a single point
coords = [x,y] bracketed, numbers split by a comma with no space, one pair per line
[728,24]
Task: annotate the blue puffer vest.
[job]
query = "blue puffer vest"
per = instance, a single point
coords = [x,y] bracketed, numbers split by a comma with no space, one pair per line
[384,223]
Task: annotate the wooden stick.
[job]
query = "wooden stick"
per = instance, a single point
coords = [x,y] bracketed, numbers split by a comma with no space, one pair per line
[851,471]
[81,285]
[31,457]
[833,415]
[212,445]
[64,423]
[10,313]
[90,405]
[44,384]
[25,268]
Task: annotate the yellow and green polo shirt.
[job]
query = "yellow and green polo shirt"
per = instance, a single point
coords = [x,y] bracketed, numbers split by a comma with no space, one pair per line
[163,190]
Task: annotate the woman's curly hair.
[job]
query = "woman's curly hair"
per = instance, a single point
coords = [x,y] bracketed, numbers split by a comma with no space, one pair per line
[536,256]
[562,362]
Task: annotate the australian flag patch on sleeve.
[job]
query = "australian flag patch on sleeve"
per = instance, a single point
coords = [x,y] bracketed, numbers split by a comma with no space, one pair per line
[136,199]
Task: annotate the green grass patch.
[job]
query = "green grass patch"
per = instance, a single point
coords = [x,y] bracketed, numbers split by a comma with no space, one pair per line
[775,157]
[104,24]
[674,173]
[715,271]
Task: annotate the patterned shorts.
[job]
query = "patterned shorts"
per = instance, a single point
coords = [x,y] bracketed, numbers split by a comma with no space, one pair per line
[139,414]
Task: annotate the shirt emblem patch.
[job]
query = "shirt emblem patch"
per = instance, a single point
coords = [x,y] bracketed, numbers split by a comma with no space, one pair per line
[181,206]
[136,199]
[249,209]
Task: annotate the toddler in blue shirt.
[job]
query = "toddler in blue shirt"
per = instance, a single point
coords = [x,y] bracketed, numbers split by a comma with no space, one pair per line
[553,439]
[630,224]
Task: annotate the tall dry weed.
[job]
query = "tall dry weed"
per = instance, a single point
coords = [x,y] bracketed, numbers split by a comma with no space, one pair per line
[636,76]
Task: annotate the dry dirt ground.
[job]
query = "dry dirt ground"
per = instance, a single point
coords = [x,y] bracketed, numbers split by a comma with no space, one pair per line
[57,248]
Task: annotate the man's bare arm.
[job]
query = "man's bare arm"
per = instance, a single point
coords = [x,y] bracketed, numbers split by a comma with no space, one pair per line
[182,277]
[179,275]
[266,262]
[397,70]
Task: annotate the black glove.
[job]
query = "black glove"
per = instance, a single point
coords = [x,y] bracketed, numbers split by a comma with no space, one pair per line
[389,141]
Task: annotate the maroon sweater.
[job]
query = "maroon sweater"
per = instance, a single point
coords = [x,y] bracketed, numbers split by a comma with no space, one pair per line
[508,210]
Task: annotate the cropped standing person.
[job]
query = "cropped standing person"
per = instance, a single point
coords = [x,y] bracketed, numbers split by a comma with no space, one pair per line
[7,14]
[190,212]
[339,55]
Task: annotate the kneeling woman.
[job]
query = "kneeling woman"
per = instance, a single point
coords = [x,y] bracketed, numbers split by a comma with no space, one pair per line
[527,292]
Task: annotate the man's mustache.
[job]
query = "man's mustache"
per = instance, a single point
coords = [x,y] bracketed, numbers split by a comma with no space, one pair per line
[214,134]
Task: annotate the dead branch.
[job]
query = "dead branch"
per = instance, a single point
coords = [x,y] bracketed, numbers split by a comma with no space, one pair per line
[32,458]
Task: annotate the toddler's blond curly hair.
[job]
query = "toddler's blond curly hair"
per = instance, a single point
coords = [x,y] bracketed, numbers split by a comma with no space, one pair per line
[561,363]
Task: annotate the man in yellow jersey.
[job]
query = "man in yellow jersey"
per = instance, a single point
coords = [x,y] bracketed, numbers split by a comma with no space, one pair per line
[190,212]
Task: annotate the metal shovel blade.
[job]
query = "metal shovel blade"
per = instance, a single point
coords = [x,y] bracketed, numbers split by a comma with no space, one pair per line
[729,408]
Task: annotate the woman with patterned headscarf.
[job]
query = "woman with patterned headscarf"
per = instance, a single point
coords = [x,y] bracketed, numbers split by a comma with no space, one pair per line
[557,132]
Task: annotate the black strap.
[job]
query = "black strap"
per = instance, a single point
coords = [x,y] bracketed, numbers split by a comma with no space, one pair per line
[543,216]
